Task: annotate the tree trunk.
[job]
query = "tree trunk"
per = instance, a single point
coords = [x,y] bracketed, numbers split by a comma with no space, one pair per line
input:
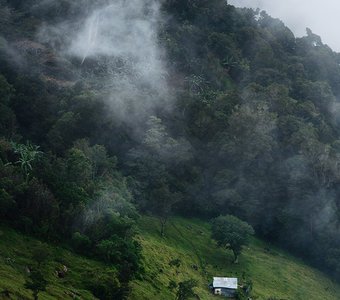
[311,225]
[235,257]
[35,295]
[163,222]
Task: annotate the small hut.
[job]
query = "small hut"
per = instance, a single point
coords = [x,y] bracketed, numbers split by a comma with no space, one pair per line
[224,286]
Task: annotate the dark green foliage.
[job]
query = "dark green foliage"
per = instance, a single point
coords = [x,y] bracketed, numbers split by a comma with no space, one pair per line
[7,203]
[7,116]
[244,291]
[92,198]
[81,243]
[154,166]
[172,285]
[118,252]
[40,254]
[36,283]
[231,233]
[41,207]
[185,289]
[175,263]
[106,286]
[36,280]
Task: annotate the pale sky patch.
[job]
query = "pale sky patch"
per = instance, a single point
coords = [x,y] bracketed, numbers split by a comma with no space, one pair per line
[322,17]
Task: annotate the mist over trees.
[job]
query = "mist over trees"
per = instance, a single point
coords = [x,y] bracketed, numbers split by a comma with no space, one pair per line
[243,119]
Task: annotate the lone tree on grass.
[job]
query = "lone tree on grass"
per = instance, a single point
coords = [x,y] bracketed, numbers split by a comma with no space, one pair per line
[36,283]
[231,233]
[185,289]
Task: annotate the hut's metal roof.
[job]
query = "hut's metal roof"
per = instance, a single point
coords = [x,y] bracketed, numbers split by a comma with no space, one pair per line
[225,282]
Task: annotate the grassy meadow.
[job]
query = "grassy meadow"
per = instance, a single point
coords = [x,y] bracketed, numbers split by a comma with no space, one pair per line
[274,273]
[16,256]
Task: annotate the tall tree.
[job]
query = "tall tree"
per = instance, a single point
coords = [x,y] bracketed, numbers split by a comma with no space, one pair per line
[152,164]
[231,233]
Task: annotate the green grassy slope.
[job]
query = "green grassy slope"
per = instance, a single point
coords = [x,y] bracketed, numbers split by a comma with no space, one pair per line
[274,273]
[15,256]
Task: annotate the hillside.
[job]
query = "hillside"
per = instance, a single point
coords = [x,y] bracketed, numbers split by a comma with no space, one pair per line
[274,273]
[16,256]
[114,109]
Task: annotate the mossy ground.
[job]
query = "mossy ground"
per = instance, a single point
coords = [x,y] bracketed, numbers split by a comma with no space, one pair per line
[273,272]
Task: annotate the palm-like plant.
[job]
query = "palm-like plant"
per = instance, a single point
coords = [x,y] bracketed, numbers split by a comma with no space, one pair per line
[28,153]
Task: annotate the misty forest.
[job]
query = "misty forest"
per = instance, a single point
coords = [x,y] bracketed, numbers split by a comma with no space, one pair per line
[148,146]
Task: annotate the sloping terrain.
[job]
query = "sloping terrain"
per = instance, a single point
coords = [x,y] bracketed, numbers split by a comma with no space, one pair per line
[274,273]
[110,108]
[16,257]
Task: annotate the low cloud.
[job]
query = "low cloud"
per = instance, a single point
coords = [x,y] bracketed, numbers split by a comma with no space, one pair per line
[121,38]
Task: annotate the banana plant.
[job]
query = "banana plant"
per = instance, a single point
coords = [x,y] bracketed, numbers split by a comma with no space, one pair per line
[27,153]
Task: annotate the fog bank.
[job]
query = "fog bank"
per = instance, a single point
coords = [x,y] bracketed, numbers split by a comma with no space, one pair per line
[119,40]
